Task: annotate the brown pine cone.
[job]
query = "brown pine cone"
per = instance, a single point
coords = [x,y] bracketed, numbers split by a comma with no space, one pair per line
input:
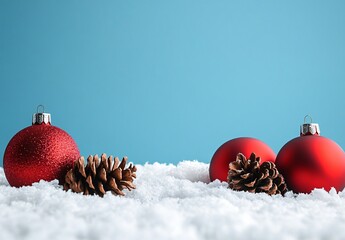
[248,175]
[100,176]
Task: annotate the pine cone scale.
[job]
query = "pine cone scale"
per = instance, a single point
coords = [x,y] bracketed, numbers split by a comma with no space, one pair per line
[279,179]
[100,188]
[250,184]
[266,184]
[246,175]
[116,163]
[113,187]
[128,184]
[89,182]
[102,174]
[81,167]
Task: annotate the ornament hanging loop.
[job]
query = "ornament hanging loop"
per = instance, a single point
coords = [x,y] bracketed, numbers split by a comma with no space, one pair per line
[40,107]
[306,117]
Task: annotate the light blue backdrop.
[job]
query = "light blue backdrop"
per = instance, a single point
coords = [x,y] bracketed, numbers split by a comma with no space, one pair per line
[172,80]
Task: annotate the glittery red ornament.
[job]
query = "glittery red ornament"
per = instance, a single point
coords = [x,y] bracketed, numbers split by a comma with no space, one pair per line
[312,161]
[39,152]
[219,166]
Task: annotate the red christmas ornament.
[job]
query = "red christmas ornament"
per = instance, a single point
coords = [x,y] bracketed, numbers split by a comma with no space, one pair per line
[219,166]
[312,161]
[39,152]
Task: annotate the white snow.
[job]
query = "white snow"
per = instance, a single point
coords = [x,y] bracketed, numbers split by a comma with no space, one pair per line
[170,202]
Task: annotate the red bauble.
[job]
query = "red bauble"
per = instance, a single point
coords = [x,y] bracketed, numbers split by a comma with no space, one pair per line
[219,166]
[39,152]
[311,161]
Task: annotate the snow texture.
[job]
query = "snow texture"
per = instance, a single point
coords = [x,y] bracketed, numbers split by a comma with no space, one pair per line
[170,202]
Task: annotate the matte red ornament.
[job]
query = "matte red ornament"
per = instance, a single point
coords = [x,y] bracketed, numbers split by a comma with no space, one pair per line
[311,161]
[39,152]
[219,166]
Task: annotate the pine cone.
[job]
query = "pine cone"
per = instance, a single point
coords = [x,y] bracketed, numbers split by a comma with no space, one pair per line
[249,175]
[100,176]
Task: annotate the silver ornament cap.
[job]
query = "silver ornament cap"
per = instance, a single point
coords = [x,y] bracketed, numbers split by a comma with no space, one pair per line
[309,128]
[40,117]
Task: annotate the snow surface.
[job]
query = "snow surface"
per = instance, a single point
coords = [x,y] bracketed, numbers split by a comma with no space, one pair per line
[170,202]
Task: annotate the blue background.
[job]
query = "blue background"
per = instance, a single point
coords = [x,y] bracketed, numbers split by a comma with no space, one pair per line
[172,80]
